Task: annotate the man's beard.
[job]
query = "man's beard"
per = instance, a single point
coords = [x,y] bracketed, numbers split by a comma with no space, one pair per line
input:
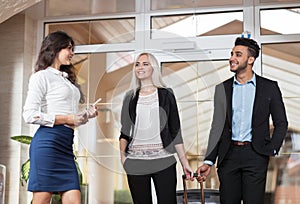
[241,68]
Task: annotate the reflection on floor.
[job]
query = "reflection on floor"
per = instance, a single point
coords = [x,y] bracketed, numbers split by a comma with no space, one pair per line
[288,180]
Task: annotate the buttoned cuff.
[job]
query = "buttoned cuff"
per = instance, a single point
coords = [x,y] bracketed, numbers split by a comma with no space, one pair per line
[45,120]
[210,163]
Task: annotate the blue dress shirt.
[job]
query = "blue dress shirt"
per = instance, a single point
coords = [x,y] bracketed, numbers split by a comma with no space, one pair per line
[242,108]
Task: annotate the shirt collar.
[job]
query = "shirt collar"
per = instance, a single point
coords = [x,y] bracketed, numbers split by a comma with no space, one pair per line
[57,72]
[252,81]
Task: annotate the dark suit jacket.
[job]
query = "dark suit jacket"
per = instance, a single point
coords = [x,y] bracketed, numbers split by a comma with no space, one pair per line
[168,116]
[268,102]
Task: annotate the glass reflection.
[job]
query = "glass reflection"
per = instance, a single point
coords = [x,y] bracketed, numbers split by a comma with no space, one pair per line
[177,4]
[107,31]
[104,75]
[280,62]
[281,17]
[87,7]
[197,25]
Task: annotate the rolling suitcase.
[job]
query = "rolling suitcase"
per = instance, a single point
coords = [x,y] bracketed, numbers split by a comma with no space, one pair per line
[185,195]
[197,196]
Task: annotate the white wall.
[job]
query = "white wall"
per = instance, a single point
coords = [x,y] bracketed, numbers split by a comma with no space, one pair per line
[17,41]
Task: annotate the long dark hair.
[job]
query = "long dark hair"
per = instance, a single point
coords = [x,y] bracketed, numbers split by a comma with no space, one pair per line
[51,46]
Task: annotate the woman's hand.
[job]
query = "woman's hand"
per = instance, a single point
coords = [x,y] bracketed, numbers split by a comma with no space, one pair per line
[72,119]
[123,144]
[188,172]
[79,119]
[184,162]
[123,158]
[92,111]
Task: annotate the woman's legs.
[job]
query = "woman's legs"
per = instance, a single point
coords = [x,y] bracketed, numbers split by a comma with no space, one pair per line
[163,173]
[41,197]
[68,197]
[165,182]
[71,197]
[140,188]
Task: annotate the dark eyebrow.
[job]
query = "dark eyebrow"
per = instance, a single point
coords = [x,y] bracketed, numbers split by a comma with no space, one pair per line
[237,52]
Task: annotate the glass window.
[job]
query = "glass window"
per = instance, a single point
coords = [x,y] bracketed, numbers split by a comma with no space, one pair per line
[87,7]
[178,4]
[281,62]
[197,25]
[105,31]
[105,75]
[100,74]
[275,21]
[193,84]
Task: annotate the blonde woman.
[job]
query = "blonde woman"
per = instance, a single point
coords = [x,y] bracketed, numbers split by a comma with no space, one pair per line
[151,134]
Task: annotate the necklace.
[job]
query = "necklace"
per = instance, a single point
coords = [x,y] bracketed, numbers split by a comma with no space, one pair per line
[147,91]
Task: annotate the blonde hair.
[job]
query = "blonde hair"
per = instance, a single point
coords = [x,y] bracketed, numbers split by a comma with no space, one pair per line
[156,75]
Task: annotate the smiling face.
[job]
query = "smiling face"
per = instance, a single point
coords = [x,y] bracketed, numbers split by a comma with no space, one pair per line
[143,69]
[240,61]
[64,56]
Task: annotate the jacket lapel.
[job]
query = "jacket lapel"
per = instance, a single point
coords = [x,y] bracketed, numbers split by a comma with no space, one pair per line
[258,96]
[132,106]
[228,85]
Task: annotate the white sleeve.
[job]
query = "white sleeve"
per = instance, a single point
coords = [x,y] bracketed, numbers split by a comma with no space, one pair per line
[37,89]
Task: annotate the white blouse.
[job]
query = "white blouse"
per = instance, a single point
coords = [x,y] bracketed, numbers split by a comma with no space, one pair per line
[49,93]
[147,143]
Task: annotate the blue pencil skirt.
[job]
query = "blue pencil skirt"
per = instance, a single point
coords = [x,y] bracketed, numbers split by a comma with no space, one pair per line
[52,164]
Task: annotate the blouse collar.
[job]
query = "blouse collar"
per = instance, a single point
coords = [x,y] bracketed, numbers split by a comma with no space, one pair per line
[57,72]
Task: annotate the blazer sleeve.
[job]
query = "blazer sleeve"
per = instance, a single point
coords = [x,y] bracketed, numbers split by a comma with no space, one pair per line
[279,118]
[126,121]
[217,125]
[173,119]
[269,103]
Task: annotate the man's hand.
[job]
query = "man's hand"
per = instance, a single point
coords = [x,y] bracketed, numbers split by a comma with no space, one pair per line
[203,171]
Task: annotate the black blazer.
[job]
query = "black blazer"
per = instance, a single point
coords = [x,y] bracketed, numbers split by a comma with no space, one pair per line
[168,116]
[268,102]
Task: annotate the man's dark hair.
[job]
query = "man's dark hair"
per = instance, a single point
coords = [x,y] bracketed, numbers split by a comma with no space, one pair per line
[253,48]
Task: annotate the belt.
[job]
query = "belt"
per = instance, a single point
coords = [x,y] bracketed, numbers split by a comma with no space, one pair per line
[239,143]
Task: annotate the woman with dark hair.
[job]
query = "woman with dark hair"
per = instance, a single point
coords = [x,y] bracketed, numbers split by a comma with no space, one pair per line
[52,102]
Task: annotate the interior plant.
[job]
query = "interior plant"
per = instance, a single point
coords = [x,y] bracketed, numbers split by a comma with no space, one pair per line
[25,168]
[122,197]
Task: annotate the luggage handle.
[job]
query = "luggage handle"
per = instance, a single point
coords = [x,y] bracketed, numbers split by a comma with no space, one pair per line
[185,200]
